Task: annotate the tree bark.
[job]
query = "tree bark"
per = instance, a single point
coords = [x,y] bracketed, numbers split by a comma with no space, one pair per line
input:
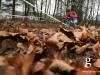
[86,12]
[37,9]
[27,8]
[34,2]
[45,7]
[0,3]
[61,11]
[98,12]
[13,7]
[41,10]
[90,15]
[55,8]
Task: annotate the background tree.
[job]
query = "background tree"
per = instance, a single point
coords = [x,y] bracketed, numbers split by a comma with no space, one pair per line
[41,10]
[13,7]
[87,10]
[0,4]
[27,8]
[77,5]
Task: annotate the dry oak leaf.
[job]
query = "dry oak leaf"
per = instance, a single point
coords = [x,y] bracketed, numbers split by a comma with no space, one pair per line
[5,68]
[22,31]
[38,67]
[30,35]
[96,48]
[4,33]
[12,34]
[63,66]
[79,50]
[97,63]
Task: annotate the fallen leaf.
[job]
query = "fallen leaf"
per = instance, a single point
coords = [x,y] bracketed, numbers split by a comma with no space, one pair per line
[97,63]
[3,33]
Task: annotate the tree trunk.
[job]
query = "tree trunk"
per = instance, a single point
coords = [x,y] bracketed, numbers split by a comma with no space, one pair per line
[93,13]
[45,16]
[45,8]
[55,8]
[34,2]
[49,5]
[57,11]
[98,12]
[61,11]
[86,12]
[27,8]
[0,3]
[25,13]
[41,10]
[13,8]
[37,9]
[90,15]
[77,6]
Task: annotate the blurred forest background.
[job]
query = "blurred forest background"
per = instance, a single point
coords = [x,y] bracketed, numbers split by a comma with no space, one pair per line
[88,10]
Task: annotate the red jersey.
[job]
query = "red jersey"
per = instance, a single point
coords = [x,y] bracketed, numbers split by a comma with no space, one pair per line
[70,14]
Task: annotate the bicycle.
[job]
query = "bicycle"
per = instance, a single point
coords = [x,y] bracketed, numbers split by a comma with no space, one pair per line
[67,23]
[70,23]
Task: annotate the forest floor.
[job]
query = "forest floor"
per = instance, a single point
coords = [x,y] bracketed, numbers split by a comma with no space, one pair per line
[8,25]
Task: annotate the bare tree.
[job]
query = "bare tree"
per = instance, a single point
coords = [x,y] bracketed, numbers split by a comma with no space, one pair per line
[98,11]
[27,8]
[55,7]
[61,10]
[61,7]
[0,4]
[37,11]
[57,11]
[13,7]
[49,6]
[41,10]
[45,7]
[86,12]
[34,2]
[90,15]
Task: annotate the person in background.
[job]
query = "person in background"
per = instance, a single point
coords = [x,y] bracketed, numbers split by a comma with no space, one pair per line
[70,18]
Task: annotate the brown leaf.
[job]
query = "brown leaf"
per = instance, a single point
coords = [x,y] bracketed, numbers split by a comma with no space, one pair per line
[30,35]
[5,68]
[38,67]
[96,48]
[13,34]
[21,48]
[3,33]
[20,45]
[97,63]
[78,35]
[79,50]
[28,60]
[48,72]
[62,37]
[85,33]
[22,31]
[63,66]
[58,40]
[30,49]
[3,61]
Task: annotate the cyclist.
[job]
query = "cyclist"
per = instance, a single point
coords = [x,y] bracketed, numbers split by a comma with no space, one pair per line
[70,18]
